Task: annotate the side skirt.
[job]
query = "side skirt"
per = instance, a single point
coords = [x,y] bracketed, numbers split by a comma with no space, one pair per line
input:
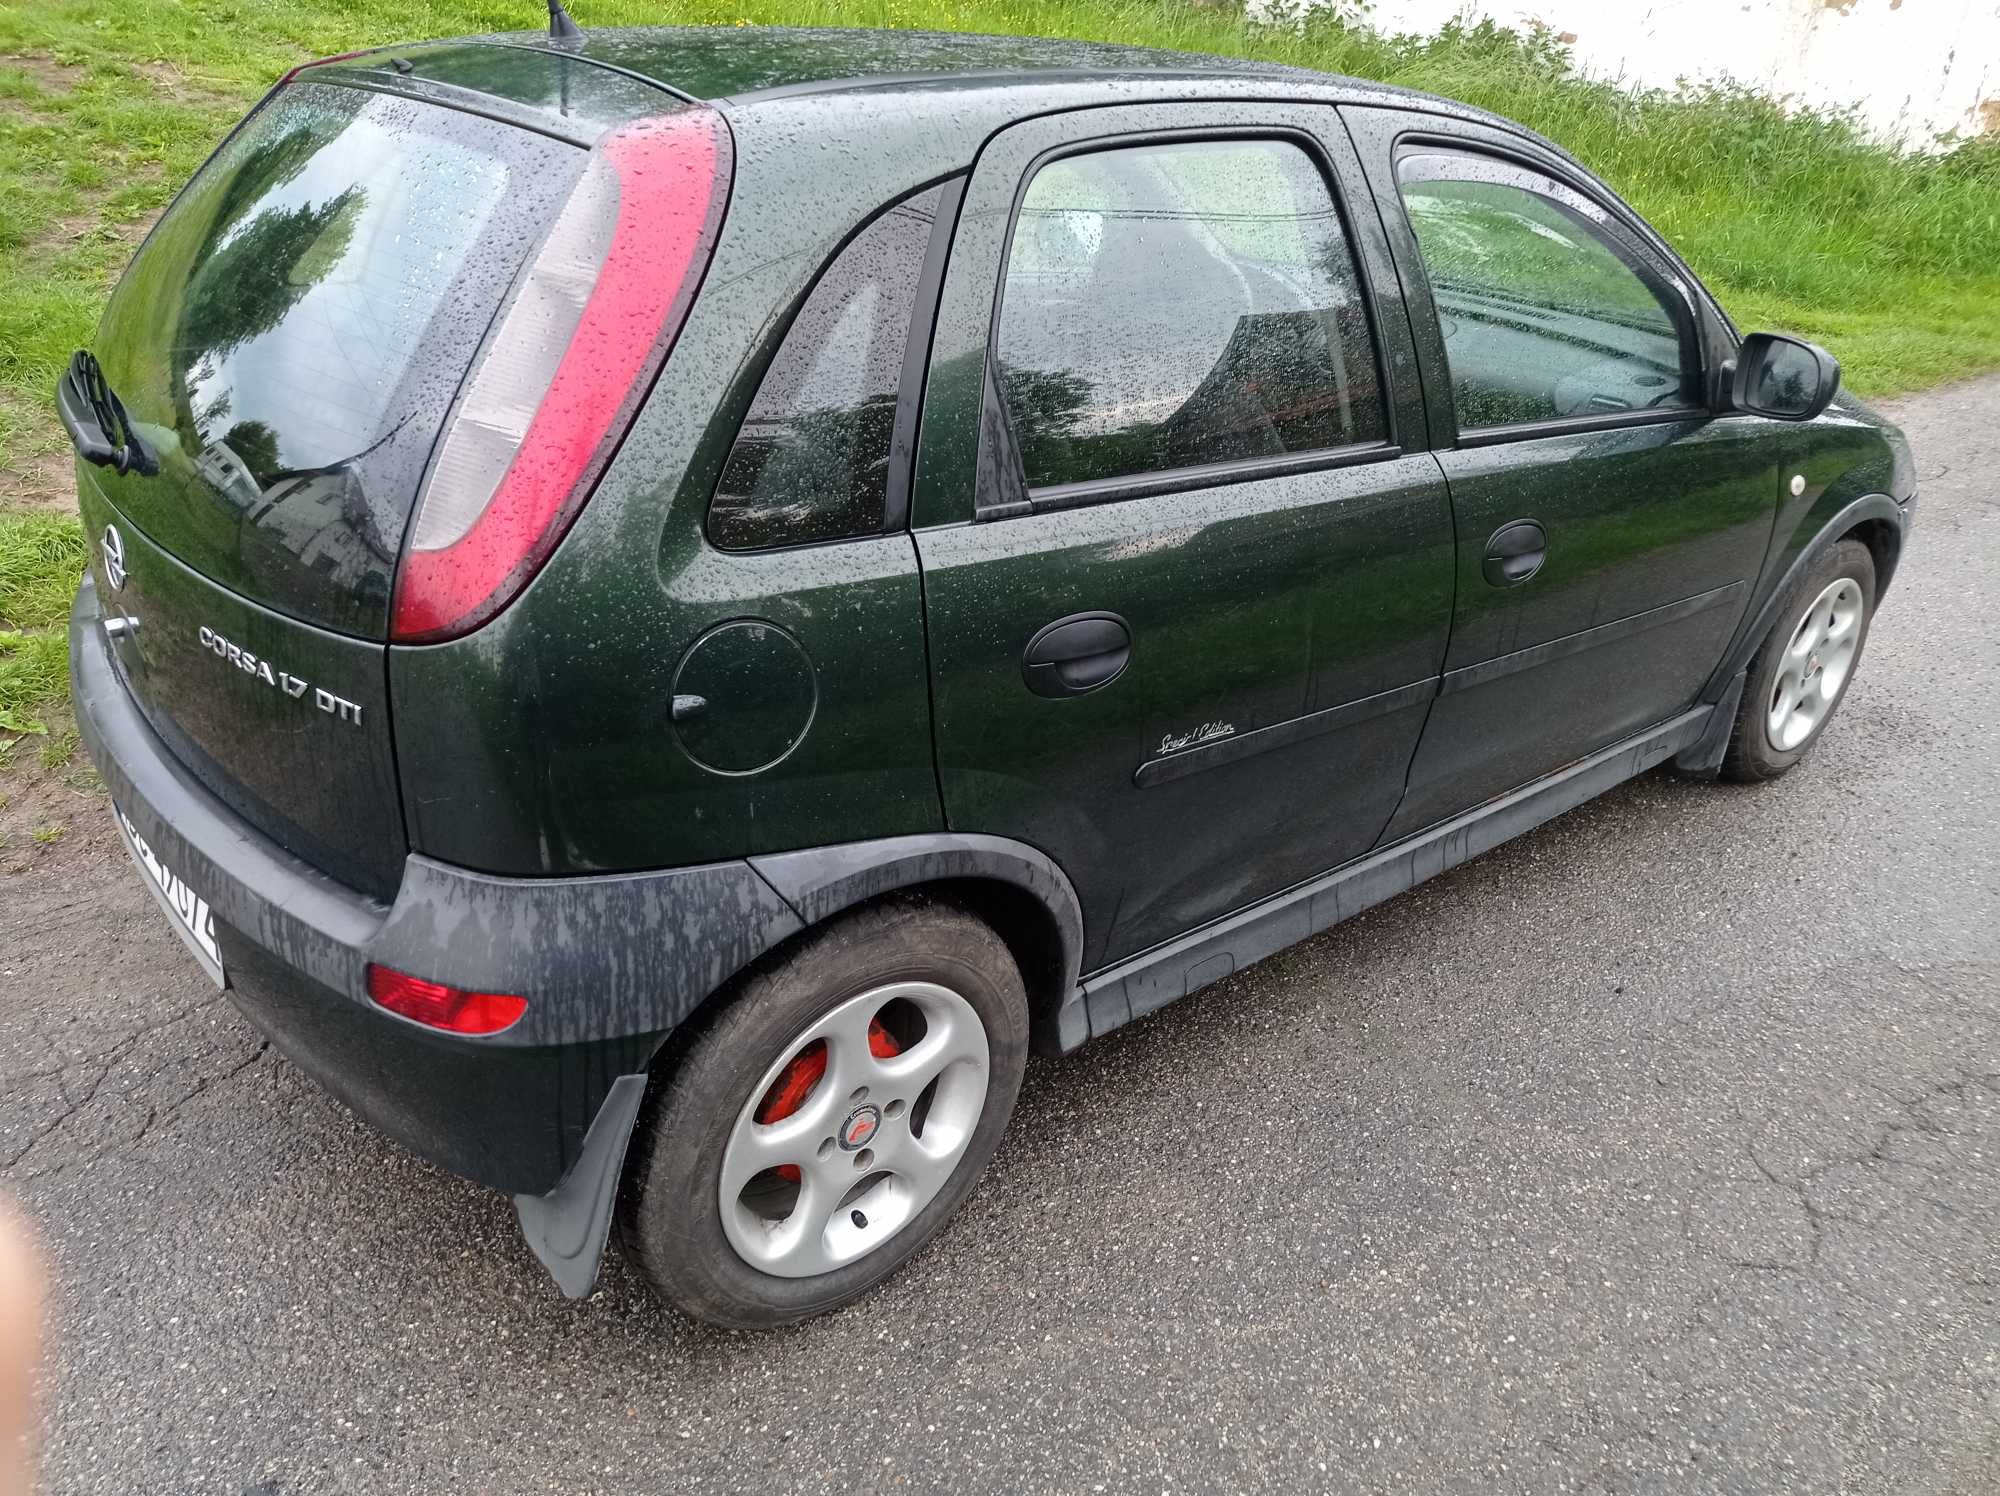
[1137,986]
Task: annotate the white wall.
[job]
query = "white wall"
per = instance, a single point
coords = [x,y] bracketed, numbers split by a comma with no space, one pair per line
[1915,68]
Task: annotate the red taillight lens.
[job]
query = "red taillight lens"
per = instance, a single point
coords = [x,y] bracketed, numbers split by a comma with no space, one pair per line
[438,1006]
[590,323]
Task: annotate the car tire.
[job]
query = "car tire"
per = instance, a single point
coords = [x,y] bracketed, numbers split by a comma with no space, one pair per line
[922,972]
[1801,672]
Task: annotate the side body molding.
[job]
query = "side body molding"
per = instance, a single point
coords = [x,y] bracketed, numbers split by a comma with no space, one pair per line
[1152,979]
[822,881]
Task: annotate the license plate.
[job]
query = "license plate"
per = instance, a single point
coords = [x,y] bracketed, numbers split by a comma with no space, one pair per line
[193,920]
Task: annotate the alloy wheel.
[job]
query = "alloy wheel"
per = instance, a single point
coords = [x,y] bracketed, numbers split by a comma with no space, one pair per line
[1815,665]
[853,1131]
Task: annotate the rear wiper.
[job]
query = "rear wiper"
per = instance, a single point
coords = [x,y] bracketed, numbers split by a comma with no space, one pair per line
[96,421]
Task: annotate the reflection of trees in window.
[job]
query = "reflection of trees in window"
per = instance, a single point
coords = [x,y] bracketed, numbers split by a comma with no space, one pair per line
[257,446]
[249,275]
[250,283]
[246,288]
[1046,405]
[272,162]
[806,476]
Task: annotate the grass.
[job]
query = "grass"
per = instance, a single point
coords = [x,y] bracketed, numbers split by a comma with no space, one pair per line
[60,748]
[1796,221]
[41,557]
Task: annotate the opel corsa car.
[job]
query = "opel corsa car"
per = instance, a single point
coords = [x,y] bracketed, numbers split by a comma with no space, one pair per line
[665,605]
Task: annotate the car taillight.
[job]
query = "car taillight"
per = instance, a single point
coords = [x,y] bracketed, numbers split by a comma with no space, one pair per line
[439,1006]
[591,321]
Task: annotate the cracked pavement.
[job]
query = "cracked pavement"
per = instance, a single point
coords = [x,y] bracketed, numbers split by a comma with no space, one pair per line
[1658,1150]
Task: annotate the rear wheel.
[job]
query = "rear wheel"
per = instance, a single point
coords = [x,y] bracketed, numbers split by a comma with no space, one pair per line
[829,1120]
[1802,670]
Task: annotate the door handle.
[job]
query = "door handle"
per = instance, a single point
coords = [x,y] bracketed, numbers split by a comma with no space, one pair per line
[1515,553]
[1078,654]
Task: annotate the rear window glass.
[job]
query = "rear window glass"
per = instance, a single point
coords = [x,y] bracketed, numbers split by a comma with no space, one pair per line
[1171,306]
[293,332]
[812,459]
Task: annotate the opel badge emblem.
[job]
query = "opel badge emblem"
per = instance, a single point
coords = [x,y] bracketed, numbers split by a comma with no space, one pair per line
[114,557]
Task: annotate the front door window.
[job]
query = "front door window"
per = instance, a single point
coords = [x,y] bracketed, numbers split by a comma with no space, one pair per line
[1547,315]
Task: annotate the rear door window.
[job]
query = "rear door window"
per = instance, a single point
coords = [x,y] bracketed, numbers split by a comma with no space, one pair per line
[1177,305]
[1547,312]
[811,461]
[290,337]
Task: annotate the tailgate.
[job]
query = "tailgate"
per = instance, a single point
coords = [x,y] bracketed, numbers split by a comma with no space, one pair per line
[286,724]
[286,347]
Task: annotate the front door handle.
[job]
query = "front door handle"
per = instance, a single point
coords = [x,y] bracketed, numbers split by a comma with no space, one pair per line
[1515,553]
[1081,653]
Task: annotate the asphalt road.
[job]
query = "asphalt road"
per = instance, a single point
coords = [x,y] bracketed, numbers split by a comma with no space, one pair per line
[1659,1150]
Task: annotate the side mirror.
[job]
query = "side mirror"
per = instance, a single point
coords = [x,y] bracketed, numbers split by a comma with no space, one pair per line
[1784,378]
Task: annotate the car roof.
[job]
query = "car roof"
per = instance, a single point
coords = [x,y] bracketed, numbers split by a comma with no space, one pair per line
[746,63]
[930,96]
[709,62]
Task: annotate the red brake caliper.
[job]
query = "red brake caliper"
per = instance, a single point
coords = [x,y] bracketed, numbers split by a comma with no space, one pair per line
[795,1082]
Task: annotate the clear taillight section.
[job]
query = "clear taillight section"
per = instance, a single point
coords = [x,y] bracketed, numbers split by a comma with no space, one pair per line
[591,320]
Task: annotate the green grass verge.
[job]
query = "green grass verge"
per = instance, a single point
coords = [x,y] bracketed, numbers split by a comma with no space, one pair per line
[41,557]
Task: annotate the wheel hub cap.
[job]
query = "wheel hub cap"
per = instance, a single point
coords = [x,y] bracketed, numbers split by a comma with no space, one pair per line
[860,1127]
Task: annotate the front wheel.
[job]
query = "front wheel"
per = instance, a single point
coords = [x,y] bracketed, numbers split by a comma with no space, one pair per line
[830,1119]
[1803,668]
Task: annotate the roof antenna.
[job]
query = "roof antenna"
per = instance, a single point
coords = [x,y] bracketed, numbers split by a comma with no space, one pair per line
[561,27]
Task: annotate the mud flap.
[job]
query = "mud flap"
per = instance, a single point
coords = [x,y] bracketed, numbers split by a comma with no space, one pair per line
[1702,758]
[567,1227]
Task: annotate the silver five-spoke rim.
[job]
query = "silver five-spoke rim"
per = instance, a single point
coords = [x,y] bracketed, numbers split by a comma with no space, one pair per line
[1814,665]
[869,1146]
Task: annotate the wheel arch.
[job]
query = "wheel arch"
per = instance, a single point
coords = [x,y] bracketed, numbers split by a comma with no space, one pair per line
[1016,889]
[1875,519]
[1884,539]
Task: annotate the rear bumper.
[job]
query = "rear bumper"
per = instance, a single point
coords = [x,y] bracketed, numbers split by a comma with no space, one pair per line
[609,965]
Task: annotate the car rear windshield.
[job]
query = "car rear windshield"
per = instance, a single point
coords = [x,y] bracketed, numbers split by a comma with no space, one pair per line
[292,333]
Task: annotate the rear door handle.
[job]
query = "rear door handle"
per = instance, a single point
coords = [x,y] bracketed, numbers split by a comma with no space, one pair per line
[1515,553]
[1078,654]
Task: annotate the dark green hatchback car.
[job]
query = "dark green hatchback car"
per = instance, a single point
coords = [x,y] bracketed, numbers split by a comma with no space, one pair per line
[666,605]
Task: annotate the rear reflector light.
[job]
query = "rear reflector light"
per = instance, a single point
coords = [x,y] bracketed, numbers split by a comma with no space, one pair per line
[591,320]
[438,1006]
